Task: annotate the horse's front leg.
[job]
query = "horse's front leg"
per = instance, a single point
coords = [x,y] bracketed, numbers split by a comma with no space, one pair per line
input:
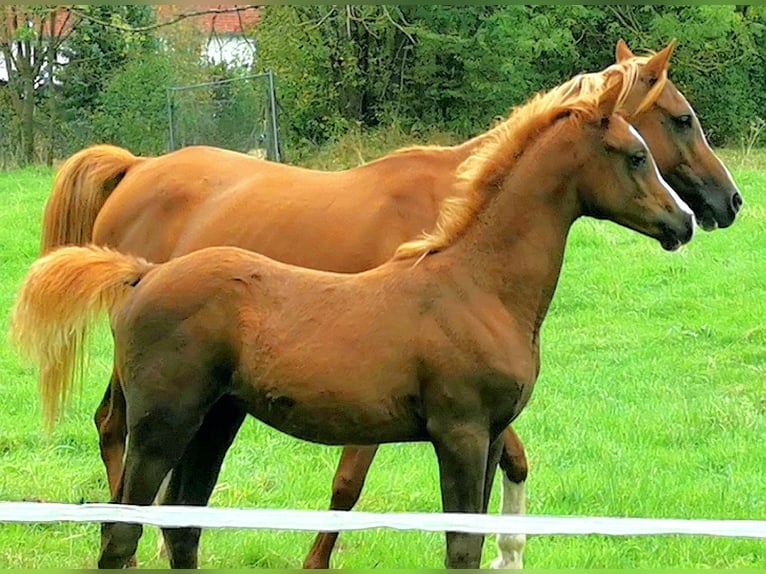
[463,453]
[513,463]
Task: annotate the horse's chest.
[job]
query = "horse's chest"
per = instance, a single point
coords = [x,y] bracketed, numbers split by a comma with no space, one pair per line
[485,364]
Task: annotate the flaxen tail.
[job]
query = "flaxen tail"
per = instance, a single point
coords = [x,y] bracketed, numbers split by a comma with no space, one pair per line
[61,295]
[82,185]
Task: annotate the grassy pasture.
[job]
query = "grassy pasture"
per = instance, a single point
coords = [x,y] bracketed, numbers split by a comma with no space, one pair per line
[651,403]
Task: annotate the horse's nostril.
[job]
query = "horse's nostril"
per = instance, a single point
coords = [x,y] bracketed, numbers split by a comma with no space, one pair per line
[736,202]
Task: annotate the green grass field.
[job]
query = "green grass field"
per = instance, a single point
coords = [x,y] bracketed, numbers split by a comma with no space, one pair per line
[651,403]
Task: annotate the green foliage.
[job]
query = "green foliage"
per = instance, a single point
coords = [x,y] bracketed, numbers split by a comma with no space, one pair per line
[474,64]
[95,53]
[451,68]
[420,68]
[715,64]
[132,110]
[336,67]
[9,129]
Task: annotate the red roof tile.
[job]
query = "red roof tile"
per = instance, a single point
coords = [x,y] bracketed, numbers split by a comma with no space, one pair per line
[223,23]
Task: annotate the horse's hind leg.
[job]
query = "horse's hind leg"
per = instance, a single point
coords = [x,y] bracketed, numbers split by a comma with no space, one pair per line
[111,425]
[159,431]
[195,475]
[513,463]
[347,485]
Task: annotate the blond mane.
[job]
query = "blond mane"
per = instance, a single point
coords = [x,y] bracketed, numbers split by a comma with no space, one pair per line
[576,100]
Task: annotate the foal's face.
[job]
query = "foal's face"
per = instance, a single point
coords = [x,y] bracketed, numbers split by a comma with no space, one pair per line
[674,135]
[622,183]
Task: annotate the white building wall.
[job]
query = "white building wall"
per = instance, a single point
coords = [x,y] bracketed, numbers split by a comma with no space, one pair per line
[234,50]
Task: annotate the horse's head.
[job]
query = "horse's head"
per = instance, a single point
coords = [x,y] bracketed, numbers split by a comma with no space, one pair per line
[620,181]
[674,135]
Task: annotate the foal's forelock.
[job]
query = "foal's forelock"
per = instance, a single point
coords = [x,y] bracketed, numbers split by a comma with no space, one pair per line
[629,73]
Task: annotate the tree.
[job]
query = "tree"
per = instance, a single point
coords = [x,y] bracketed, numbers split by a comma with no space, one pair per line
[30,37]
[336,66]
[98,38]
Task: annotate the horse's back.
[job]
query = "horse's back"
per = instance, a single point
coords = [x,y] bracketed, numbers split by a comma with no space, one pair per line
[341,221]
[147,210]
[345,221]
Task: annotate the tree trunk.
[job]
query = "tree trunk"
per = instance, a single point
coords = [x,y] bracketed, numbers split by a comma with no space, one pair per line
[28,122]
[51,93]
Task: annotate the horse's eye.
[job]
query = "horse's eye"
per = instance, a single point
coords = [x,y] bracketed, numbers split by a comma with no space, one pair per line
[683,121]
[637,159]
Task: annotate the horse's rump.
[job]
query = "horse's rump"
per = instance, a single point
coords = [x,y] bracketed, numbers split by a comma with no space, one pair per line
[82,186]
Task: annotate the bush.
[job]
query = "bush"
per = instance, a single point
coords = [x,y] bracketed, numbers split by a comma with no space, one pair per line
[132,110]
[469,64]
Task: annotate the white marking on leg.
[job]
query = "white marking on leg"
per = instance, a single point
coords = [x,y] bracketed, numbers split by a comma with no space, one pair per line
[162,550]
[511,546]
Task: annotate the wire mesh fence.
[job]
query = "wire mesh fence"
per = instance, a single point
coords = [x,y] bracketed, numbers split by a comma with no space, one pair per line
[238,114]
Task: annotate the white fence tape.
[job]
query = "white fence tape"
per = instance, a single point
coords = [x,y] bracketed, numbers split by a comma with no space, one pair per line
[206,517]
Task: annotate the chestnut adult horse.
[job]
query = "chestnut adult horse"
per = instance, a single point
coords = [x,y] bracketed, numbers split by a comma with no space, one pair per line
[440,344]
[348,221]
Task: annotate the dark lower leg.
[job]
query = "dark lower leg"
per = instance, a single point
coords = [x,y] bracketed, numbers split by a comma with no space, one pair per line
[463,452]
[142,478]
[194,478]
[110,424]
[493,458]
[158,439]
[347,486]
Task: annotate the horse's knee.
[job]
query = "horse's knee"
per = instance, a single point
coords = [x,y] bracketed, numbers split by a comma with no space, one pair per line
[515,470]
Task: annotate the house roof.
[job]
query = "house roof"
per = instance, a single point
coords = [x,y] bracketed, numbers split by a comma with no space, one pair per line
[238,22]
[234,23]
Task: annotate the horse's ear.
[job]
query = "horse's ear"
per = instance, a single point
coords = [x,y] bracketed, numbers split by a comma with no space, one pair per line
[607,101]
[622,52]
[659,61]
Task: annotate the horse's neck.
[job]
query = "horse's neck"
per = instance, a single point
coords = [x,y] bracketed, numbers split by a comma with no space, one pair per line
[515,246]
[467,148]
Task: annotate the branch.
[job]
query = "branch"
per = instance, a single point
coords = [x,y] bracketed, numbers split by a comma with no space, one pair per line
[63,34]
[244,35]
[170,22]
[321,21]
[399,26]
[362,20]
[625,15]
[36,58]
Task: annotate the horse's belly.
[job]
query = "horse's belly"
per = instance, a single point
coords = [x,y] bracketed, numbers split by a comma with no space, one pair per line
[332,416]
